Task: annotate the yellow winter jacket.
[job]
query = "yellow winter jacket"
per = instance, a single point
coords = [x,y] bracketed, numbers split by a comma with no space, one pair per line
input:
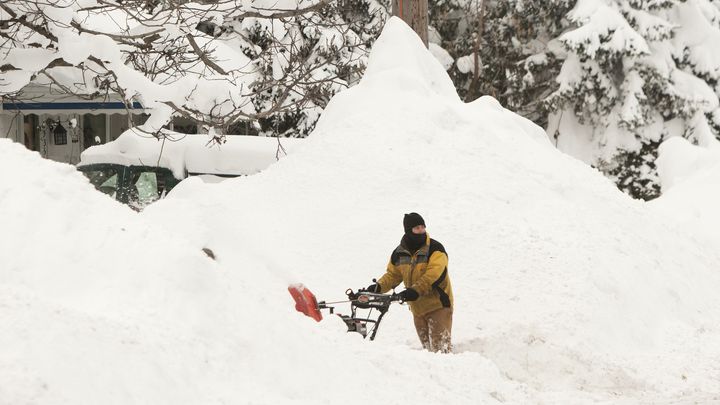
[425,272]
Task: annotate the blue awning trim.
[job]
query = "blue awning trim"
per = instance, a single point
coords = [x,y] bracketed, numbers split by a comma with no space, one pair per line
[84,105]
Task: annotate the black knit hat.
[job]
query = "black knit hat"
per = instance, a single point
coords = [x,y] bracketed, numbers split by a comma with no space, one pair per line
[412,220]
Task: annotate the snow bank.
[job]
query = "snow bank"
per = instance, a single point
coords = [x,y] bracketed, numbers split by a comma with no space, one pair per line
[566,290]
[101,306]
[690,176]
[564,283]
[91,311]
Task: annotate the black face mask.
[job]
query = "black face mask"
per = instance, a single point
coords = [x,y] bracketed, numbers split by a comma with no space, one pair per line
[414,241]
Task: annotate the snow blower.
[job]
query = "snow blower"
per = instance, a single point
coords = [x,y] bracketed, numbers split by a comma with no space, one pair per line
[306,303]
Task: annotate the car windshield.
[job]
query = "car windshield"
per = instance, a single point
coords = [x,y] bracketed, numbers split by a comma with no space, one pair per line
[105,180]
[136,186]
[143,189]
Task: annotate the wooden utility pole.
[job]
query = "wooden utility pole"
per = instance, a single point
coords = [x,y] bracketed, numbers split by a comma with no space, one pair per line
[415,14]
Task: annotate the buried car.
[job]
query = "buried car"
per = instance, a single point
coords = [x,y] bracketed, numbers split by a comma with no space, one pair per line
[138,169]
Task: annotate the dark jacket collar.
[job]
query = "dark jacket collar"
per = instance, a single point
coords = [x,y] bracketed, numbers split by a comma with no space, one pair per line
[420,252]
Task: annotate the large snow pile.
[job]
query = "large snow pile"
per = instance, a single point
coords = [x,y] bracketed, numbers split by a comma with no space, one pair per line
[96,304]
[690,178]
[566,290]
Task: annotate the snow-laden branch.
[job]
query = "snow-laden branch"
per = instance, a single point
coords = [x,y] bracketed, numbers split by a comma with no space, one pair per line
[214,62]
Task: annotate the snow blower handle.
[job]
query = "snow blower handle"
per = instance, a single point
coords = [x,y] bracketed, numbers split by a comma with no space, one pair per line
[366,300]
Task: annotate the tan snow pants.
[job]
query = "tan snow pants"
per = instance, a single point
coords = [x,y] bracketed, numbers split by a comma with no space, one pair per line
[434,329]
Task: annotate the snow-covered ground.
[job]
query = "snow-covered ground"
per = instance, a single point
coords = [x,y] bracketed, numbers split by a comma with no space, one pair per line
[566,290]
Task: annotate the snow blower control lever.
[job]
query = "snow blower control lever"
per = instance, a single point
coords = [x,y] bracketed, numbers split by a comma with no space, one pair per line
[364,300]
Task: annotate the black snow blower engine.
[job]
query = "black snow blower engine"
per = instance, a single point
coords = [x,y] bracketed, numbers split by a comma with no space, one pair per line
[367,325]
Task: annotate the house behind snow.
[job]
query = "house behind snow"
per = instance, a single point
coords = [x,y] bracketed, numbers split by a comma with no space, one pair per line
[61,126]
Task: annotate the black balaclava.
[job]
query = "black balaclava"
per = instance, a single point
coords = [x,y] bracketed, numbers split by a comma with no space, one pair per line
[413,241]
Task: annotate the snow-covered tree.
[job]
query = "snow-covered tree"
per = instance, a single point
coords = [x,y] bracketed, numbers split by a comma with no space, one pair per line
[218,63]
[333,42]
[500,48]
[635,73]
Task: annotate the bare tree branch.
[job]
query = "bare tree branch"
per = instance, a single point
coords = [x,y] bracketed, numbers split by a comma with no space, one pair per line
[290,70]
[203,55]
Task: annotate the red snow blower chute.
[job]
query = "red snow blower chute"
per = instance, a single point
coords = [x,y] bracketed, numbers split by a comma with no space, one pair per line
[306,303]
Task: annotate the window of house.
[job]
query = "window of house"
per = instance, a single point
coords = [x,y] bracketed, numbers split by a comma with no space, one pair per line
[30,129]
[93,129]
[184,125]
[60,135]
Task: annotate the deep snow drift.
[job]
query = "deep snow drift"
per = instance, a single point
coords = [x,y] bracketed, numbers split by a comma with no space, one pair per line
[690,178]
[566,290]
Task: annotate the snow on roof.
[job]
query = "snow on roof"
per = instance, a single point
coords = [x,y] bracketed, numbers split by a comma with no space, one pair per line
[194,154]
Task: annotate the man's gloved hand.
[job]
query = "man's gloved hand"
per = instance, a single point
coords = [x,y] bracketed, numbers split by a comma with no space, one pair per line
[408,295]
[373,288]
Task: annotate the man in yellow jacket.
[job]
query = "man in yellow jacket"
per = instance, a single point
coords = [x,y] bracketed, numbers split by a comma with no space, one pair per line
[421,264]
